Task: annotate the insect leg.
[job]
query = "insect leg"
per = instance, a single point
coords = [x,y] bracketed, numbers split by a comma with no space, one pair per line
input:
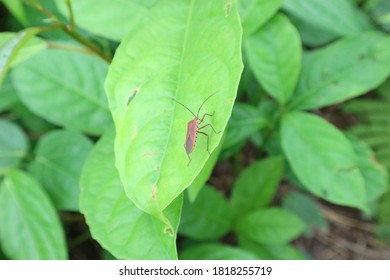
[206,114]
[211,127]
[207,139]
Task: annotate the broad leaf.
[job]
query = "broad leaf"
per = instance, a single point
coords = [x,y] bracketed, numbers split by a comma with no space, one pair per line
[208,218]
[256,185]
[274,54]
[65,88]
[115,222]
[254,13]
[345,69]
[189,57]
[13,145]
[339,17]
[59,157]
[323,159]
[15,47]
[30,227]
[215,251]
[116,17]
[271,226]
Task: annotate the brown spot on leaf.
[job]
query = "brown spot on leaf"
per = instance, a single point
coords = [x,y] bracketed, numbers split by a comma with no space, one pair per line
[154,191]
[228,6]
[169,230]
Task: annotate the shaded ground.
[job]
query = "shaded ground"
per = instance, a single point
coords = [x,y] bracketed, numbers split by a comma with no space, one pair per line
[349,238]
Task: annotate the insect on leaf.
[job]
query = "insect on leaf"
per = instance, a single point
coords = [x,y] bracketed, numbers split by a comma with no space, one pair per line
[189,57]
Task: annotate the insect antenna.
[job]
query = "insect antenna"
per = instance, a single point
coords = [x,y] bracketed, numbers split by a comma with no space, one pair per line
[205,101]
[184,106]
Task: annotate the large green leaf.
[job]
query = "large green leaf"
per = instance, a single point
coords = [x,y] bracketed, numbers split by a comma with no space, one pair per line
[59,157]
[114,221]
[274,54]
[271,226]
[256,185]
[65,88]
[15,47]
[345,69]
[13,145]
[215,251]
[208,217]
[30,227]
[187,50]
[254,13]
[116,17]
[323,159]
[339,17]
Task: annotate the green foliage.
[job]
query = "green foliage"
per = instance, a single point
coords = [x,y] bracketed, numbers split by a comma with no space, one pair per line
[252,191]
[51,86]
[307,209]
[273,226]
[215,251]
[13,145]
[30,227]
[115,221]
[274,54]
[208,217]
[140,86]
[89,130]
[59,157]
[323,159]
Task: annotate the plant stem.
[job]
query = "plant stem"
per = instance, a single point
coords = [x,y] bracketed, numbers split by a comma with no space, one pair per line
[70,30]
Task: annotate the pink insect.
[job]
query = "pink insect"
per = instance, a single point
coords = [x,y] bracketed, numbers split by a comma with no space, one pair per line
[193,129]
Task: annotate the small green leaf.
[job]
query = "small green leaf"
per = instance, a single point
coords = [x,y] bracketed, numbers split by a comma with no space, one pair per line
[196,53]
[339,17]
[116,17]
[59,157]
[306,209]
[375,175]
[274,54]
[74,83]
[115,222]
[254,13]
[208,218]
[245,121]
[323,159]
[15,47]
[215,251]
[13,145]
[342,70]
[312,36]
[30,227]
[8,95]
[271,252]
[271,226]
[256,185]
